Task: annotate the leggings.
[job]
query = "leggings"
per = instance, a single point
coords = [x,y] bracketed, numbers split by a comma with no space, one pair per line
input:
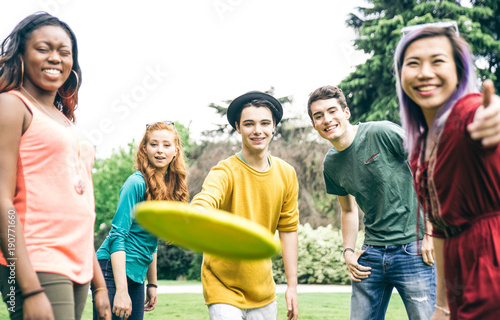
[66,297]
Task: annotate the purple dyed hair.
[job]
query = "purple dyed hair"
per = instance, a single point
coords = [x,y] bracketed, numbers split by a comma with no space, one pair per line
[412,118]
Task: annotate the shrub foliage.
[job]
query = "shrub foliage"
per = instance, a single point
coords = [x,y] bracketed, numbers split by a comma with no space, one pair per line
[320,257]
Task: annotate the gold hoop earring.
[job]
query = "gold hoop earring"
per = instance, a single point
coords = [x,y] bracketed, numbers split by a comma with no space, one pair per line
[22,71]
[76,88]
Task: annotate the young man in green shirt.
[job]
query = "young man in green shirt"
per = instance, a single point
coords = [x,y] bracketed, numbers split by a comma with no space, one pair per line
[367,166]
[264,189]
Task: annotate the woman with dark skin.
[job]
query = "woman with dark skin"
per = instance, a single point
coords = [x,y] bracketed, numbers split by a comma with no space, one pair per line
[45,177]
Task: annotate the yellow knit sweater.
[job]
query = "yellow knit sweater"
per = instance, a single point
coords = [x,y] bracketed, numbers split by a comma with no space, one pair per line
[268,198]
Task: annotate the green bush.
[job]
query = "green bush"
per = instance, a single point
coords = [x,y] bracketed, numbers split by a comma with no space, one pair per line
[100,235]
[176,262]
[320,257]
[194,272]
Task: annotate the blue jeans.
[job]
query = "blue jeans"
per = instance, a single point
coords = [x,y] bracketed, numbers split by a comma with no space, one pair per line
[394,266]
[135,291]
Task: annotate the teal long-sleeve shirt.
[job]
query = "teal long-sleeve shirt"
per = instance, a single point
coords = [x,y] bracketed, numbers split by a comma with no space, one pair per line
[127,235]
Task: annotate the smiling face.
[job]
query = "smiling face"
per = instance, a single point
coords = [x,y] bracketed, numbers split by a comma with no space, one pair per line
[48,58]
[329,119]
[429,74]
[256,128]
[161,148]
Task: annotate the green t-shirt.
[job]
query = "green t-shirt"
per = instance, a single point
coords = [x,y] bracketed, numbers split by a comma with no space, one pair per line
[374,169]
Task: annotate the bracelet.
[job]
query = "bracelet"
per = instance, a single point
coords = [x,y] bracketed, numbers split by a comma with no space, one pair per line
[348,249]
[428,234]
[152,285]
[446,312]
[101,288]
[32,293]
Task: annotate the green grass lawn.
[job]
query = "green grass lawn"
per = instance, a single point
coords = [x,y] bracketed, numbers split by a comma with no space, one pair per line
[190,306]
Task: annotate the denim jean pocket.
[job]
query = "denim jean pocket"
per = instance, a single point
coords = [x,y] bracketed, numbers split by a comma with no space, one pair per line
[365,248]
[106,267]
[411,248]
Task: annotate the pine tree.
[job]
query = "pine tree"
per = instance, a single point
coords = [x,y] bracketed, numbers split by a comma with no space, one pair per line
[370,89]
[490,49]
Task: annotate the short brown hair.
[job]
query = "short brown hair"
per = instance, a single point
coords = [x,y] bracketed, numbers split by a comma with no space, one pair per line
[325,93]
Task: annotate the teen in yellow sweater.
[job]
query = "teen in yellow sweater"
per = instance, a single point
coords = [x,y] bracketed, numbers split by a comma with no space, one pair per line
[261,188]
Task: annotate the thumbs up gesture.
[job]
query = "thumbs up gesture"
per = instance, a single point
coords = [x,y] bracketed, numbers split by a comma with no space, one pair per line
[486,124]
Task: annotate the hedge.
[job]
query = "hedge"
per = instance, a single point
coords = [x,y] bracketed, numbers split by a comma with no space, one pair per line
[320,258]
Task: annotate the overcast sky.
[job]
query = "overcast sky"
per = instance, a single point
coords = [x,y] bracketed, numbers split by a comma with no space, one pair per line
[145,61]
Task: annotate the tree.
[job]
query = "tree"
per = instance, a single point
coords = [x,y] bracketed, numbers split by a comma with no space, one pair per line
[186,142]
[490,25]
[109,175]
[370,89]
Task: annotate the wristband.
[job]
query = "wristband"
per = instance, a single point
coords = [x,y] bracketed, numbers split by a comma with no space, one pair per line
[101,288]
[152,285]
[348,249]
[32,293]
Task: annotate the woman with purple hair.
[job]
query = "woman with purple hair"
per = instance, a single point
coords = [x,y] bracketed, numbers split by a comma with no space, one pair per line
[456,172]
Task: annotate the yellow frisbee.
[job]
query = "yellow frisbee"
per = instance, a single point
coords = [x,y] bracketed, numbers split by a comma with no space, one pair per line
[215,232]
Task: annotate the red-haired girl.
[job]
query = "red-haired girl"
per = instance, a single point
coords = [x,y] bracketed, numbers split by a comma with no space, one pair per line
[128,254]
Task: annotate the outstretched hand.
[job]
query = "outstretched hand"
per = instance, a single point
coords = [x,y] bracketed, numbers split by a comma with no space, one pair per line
[486,123]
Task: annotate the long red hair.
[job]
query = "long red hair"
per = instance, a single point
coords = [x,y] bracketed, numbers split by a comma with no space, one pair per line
[171,186]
